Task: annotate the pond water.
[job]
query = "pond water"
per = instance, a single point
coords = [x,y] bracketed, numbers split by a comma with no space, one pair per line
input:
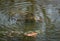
[28,21]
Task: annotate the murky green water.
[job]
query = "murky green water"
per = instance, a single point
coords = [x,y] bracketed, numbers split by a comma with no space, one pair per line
[20,17]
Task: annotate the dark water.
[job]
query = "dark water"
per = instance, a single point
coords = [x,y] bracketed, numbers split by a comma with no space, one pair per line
[23,17]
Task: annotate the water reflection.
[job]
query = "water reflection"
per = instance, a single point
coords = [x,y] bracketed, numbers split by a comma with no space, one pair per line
[28,21]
